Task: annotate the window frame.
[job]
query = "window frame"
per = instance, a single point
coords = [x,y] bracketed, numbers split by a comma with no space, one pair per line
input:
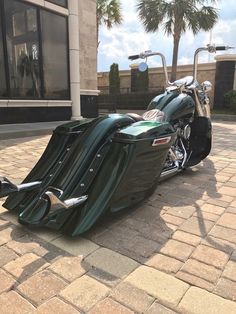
[62,6]
[41,70]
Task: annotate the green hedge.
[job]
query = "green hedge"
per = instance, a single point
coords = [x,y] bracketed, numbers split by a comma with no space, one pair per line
[133,101]
[114,79]
[230,99]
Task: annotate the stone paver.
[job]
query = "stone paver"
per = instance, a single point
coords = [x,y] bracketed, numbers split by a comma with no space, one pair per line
[132,297]
[184,234]
[6,281]
[41,287]
[109,306]
[197,226]
[75,246]
[10,233]
[164,263]
[165,288]
[176,249]
[182,212]
[69,268]
[25,266]
[12,303]
[157,308]
[219,244]
[210,256]
[195,280]
[213,209]
[56,306]
[84,292]
[230,271]
[6,255]
[204,271]
[186,238]
[228,191]
[226,288]
[224,233]
[112,263]
[23,245]
[227,220]
[198,301]
[206,216]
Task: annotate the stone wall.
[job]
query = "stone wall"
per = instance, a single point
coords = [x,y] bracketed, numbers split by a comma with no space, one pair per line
[206,71]
[88,45]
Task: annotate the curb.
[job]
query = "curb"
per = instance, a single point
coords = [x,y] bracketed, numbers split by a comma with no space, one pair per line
[22,134]
[223,117]
[5,135]
[12,131]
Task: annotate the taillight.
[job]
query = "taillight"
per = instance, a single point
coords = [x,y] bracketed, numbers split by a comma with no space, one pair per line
[161,141]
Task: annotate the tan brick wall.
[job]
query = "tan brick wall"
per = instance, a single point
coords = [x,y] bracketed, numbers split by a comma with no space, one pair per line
[206,71]
[88,44]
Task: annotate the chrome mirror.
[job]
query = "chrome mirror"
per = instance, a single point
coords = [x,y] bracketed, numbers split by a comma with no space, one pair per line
[143,67]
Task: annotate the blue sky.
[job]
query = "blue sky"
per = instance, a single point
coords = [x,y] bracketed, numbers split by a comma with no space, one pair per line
[130,38]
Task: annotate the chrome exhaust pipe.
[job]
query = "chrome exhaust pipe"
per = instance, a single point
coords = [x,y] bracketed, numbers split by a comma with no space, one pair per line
[56,204]
[7,187]
[169,173]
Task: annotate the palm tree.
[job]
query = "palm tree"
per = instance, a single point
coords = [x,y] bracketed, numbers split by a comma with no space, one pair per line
[177,16]
[108,14]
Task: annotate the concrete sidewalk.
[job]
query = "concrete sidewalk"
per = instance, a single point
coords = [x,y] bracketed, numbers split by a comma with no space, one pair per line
[9,131]
[175,253]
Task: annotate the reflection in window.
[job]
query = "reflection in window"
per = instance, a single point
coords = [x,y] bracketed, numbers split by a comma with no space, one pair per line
[62,3]
[23,47]
[2,66]
[55,55]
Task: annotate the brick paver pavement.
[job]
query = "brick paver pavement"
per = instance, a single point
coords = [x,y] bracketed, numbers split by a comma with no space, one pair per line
[174,254]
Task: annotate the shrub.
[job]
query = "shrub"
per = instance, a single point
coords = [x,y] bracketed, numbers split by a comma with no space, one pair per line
[230,99]
[114,79]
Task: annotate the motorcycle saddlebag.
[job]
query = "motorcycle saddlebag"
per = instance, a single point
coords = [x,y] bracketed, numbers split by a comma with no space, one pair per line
[149,143]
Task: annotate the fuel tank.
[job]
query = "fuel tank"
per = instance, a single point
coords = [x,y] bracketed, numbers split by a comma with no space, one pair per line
[175,105]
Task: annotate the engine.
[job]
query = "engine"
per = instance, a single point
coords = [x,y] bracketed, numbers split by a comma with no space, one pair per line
[177,154]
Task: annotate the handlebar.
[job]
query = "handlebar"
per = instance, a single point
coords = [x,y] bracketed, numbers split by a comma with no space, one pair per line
[149,53]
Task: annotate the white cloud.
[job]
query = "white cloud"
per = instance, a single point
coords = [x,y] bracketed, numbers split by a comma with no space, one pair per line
[130,38]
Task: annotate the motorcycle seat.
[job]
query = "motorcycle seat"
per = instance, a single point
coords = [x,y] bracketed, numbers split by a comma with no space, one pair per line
[136,117]
[154,115]
[187,80]
[151,115]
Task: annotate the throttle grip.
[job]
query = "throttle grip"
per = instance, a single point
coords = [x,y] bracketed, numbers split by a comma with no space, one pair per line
[221,48]
[134,57]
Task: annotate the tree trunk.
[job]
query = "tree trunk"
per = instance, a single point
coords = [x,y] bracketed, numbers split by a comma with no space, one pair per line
[175,57]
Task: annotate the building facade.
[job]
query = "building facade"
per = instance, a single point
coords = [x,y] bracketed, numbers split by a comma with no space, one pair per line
[48,60]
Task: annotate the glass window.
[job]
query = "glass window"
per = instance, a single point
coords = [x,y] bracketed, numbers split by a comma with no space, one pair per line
[55,55]
[3,90]
[23,49]
[62,3]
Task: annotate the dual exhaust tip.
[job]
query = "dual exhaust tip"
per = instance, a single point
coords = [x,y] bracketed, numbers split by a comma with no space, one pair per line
[54,204]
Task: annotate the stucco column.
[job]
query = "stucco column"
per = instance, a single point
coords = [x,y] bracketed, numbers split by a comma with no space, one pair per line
[74,58]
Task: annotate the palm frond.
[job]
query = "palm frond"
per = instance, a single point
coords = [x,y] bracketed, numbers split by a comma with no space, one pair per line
[109,12]
[207,17]
[151,13]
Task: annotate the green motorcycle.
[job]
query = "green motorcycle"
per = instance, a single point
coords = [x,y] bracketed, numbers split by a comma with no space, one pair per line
[111,163]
